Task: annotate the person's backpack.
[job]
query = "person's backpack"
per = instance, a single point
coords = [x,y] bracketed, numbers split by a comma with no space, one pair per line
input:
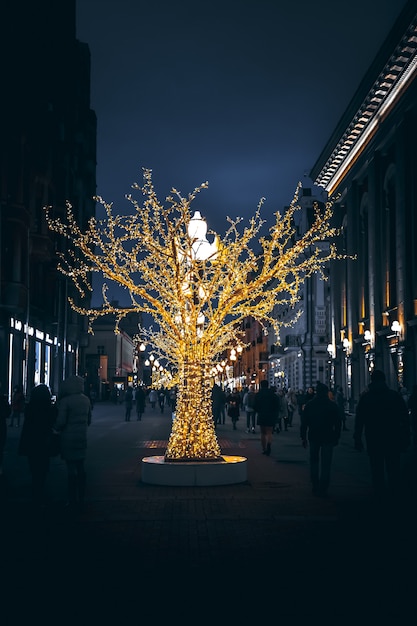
[250,399]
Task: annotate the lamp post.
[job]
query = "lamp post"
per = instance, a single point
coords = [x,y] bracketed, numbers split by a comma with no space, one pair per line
[233,358]
[369,351]
[347,349]
[142,349]
[398,350]
[331,351]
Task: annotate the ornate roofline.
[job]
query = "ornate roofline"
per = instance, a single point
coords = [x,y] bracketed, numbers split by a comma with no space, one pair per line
[371,104]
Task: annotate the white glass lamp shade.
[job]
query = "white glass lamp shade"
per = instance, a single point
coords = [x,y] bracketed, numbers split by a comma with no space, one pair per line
[202,249]
[396,326]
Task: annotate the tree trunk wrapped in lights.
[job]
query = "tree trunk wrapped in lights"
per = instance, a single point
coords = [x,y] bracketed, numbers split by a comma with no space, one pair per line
[198,292]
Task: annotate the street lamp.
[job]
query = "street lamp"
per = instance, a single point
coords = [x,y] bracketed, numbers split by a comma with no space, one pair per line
[369,352]
[331,351]
[233,358]
[347,349]
[397,329]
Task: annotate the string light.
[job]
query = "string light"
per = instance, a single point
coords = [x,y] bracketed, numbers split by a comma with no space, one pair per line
[197,292]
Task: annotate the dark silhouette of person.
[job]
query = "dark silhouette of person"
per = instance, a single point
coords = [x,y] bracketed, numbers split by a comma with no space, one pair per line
[128,403]
[161,399]
[382,415]
[233,407]
[18,405]
[320,428]
[140,399]
[39,418]
[74,417]
[340,401]
[218,401]
[267,406]
[5,411]
[412,407]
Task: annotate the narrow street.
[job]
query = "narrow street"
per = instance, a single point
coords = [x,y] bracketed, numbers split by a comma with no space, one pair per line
[270,525]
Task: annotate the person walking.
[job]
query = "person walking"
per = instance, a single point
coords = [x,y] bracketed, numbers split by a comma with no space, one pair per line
[140,399]
[266,407]
[283,410]
[5,411]
[341,403]
[412,407]
[74,417]
[233,407]
[218,400]
[382,415]
[18,405]
[128,403]
[161,399]
[248,402]
[39,418]
[320,429]
[153,397]
[292,405]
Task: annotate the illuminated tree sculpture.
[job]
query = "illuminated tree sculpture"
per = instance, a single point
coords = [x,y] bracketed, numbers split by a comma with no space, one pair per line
[197,292]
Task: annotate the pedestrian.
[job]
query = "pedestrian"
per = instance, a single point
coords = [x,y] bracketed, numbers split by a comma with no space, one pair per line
[18,405]
[128,403]
[309,395]
[320,429]
[173,403]
[283,410]
[218,401]
[74,417]
[5,411]
[291,397]
[161,399]
[248,406]
[412,407]
[341,403]
[266,407]
[39,418]
[153,397]
[233,407]
[93,397]
[140,399]
[382,415]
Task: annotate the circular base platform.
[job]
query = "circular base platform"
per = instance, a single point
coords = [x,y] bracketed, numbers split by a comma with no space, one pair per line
[227,471]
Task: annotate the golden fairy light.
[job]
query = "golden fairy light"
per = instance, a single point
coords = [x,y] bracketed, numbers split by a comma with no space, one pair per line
[197,291]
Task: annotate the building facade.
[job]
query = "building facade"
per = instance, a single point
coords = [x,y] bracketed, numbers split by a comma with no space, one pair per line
[112,359]
[298,358]
[47,156]
[369,166]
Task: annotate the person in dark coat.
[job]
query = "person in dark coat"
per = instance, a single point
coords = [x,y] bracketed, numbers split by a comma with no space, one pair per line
[382,415]
[74,417]
[412,407]
[18,405]
[140,399]
[321,425]
[218,401]
[5,411]
[128,403]
[233,407]
[266,406]
[39,419]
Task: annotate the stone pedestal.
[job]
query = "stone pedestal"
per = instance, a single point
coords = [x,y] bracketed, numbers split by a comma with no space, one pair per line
[228,470]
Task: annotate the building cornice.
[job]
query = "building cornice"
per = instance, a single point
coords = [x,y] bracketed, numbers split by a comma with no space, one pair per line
[372,102]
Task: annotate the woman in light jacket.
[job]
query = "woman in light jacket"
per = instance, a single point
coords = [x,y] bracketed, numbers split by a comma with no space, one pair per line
[74,416]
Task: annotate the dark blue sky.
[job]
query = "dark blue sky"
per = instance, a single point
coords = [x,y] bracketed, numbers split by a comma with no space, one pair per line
[241,94]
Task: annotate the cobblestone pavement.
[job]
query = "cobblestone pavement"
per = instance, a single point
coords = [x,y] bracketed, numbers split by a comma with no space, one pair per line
[266,537]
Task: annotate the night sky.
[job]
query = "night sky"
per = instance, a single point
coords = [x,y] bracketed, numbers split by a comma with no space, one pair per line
[241,94]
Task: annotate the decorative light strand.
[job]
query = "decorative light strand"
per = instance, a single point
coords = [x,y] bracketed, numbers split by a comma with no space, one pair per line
[198,305]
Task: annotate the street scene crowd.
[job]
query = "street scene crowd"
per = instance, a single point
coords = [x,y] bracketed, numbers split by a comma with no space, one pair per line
[385,424]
